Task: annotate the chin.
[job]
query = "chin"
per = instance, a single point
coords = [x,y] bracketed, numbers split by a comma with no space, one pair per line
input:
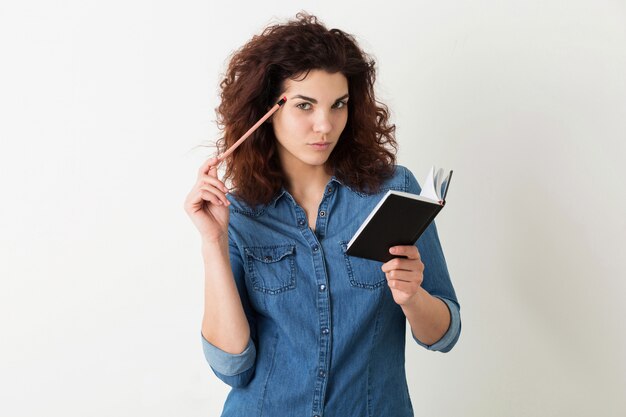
[316,162]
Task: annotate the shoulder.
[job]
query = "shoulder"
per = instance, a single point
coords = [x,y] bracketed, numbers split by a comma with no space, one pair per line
[401,180]
[238,206]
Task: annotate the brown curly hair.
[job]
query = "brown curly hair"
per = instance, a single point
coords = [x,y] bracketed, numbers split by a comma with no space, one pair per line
[365,152]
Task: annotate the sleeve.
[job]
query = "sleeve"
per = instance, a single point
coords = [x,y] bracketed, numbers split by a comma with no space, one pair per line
[437,278]
[235,370]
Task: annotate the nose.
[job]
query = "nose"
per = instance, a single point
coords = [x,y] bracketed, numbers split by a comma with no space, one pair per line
[322,122]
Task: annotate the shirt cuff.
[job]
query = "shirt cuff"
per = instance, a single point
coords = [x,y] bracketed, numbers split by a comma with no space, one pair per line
[228,364]
[449,339]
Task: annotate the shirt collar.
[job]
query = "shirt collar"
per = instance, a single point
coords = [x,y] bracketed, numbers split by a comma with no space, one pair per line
[280,193]
[283,192]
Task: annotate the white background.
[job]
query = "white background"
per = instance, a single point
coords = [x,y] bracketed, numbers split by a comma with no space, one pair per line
[103,103]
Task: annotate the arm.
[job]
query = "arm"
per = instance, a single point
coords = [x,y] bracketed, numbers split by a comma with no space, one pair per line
[437,283]
[428,316]
[435,321]
[227,322]
[225,325]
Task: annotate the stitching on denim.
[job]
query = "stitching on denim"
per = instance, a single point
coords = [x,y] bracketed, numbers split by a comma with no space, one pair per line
[252,257]
[269,374]
[351,278]
[249,213]
[369,361]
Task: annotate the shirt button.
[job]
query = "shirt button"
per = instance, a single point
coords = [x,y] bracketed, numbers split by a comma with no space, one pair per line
[322,374]
[315,248]
[268,258]
[322,287]
[316,415]
[301,222]
[329,190]
[322,213]
[325,330]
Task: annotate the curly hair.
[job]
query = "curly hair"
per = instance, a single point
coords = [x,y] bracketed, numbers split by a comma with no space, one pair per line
[365,153]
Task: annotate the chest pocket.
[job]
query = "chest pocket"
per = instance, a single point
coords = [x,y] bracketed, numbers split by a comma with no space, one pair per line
[271,269]
[363,273]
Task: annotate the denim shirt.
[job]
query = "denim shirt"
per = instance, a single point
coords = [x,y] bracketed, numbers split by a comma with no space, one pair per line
[327,338]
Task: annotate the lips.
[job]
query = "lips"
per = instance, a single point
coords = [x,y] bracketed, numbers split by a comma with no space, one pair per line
[320,145]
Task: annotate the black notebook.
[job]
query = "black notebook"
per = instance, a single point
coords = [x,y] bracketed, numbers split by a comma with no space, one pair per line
[400,218]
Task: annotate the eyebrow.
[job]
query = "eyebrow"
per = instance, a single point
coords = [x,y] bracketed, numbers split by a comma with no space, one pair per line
[312,100]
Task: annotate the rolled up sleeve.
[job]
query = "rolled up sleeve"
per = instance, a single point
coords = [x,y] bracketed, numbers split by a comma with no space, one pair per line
[235,370]
[449,339]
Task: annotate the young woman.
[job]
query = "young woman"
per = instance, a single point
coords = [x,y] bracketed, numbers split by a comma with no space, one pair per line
[295,325]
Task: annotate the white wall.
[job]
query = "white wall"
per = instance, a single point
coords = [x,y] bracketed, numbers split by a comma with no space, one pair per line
[101,278]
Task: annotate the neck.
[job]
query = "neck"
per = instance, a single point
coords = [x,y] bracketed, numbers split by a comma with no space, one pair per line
[307,182]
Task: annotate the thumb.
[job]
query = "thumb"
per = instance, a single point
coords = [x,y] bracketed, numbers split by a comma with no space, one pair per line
[213,170]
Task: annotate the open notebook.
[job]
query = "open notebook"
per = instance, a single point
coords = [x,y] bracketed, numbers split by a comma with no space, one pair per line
[400,218]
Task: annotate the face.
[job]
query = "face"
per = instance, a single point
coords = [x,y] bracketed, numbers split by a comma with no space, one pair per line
[309,124]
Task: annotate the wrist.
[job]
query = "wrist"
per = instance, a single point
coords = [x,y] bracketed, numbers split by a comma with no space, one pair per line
[417,301]
[210,245]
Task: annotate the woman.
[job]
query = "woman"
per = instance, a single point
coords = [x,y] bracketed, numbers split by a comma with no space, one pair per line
[295,325]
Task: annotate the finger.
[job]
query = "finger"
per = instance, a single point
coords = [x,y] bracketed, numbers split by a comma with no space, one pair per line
[210,197]
[403,286]
[403,264]
[198,197]
[204,168]
[207,179]
[212,171]
[410,251]
[408,276]
[216,192]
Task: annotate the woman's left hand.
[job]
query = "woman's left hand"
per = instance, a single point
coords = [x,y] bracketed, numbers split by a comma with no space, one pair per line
[404,275]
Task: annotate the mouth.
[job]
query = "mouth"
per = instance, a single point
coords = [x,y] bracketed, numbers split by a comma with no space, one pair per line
[320,145]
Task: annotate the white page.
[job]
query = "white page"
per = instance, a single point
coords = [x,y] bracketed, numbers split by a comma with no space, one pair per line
[428,186]
[438,181]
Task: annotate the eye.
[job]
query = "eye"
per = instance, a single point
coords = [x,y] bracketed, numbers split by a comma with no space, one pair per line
[304,106]
[340,104]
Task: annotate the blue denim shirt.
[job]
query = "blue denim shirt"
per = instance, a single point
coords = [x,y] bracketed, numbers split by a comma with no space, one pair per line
[327,339]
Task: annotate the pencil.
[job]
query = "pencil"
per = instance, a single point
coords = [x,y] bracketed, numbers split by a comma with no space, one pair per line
[252,129]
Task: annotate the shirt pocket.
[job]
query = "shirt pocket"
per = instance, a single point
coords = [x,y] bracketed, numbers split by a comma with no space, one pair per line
[362,273]
[271,269]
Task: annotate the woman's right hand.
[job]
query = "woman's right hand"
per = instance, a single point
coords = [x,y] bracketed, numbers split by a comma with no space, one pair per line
[207,205]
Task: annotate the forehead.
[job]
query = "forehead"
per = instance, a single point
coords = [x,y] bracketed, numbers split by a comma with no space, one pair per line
[317,83]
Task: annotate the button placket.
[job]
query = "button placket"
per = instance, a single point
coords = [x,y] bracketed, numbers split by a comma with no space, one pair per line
[323,212]
[313,239]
